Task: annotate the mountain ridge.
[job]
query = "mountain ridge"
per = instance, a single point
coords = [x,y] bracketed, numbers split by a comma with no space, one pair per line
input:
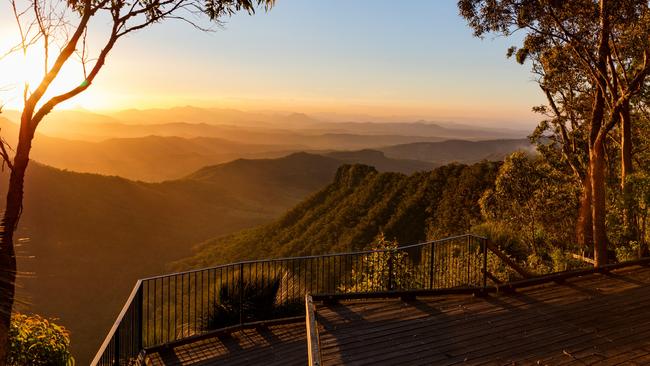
[350,212]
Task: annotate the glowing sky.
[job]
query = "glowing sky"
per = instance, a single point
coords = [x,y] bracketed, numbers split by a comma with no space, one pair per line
[375,57]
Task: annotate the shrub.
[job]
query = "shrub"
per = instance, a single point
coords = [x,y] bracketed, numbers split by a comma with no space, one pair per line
[503,237]
[538,264]
[372,273]
[37,341]
[628,252]
[261,301]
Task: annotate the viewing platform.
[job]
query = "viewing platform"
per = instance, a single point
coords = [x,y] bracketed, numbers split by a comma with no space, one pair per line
[585,316]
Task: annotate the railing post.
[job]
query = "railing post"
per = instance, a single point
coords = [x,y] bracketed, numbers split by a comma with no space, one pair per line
[390,270]
[241,293]
[468,256]
[116,359]
[431,270]
[139,317]
[485,253]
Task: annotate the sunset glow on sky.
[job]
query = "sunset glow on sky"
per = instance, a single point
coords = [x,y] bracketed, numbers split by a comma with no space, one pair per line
[355,57]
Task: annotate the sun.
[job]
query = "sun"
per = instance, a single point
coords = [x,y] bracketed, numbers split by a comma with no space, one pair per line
[24,71]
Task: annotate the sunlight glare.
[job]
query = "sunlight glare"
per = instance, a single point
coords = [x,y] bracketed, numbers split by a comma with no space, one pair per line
[29,69]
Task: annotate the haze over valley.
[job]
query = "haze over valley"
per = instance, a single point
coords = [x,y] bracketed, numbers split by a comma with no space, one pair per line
[179,142]
[115,188]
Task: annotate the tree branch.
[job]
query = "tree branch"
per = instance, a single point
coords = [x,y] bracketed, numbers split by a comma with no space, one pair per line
[4,155]
[65,54]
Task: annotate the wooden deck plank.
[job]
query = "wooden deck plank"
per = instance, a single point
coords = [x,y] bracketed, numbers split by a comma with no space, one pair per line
[434,326]
[572,339]
[273,345]
[471,314]
[588,316]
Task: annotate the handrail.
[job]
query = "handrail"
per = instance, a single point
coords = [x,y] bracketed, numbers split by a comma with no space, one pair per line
[136,292]
[327,255]
[313,339]
[564,275]
[522,272]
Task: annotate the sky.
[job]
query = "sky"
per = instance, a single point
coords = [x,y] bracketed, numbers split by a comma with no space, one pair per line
[416,59]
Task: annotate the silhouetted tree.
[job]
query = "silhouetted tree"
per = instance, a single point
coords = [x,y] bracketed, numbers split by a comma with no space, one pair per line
[60,28]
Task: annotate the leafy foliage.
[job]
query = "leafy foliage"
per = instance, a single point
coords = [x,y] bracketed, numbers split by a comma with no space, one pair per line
[37,341]
[627,252]
[534,199]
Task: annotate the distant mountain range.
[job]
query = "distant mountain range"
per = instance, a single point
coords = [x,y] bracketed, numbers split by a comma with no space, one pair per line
[157,158]
[381,162]
[459,151]
[250,127]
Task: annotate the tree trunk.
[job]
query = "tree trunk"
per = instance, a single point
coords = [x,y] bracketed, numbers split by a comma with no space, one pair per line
[7,271]
[13,208]
[626,143]
[598,208]
[533,242]
[585,228]
[631,230]
[597,142]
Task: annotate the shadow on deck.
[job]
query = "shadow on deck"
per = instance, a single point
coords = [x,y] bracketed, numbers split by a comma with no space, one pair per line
[595,319]
[282,344]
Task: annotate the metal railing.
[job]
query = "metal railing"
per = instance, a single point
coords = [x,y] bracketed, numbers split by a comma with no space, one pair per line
[172,307]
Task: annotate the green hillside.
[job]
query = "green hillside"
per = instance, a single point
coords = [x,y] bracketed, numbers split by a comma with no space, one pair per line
[361,202]
[86,238]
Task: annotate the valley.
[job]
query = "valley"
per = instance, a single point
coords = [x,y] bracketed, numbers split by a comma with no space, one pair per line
[133,200]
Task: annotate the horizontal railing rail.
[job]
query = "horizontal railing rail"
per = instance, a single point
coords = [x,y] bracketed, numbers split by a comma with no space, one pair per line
[168,308]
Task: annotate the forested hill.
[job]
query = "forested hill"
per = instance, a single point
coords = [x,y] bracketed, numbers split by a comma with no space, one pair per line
[360,203]
[91,236]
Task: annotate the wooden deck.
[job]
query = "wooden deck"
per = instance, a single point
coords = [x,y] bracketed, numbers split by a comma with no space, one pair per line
[263,345]
[597,319]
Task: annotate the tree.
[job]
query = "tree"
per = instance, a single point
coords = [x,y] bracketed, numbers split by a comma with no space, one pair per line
[561,139]
[61,29]
[606,41]
[533,199]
